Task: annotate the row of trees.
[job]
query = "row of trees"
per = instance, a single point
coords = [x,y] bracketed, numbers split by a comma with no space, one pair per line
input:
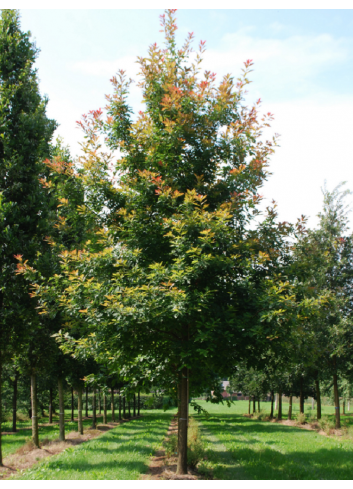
[154,261]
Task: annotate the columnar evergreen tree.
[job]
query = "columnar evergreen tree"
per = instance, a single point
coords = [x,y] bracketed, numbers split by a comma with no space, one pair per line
[25,133]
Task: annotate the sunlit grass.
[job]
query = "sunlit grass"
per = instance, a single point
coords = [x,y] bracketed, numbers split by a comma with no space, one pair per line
[243,448]
[11,443]
[123,453]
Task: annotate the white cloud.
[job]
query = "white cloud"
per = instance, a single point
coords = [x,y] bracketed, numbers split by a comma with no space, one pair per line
[285,65]
[316,144]
[105,68]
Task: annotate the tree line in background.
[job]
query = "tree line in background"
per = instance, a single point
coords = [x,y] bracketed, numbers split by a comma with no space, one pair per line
[149,264]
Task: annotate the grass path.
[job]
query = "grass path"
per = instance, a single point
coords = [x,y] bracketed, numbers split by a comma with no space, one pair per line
[120,454]
[242,448]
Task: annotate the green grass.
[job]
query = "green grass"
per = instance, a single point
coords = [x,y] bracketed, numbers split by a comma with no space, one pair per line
[120,454]
[243,448]
[11,443]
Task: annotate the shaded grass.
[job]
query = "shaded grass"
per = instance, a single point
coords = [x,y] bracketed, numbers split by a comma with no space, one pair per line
[12,442]
[120,454]
[243,448]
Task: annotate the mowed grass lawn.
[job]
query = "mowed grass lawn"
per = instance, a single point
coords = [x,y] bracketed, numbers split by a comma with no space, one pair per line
[12,442]
[122,453]
[243,448]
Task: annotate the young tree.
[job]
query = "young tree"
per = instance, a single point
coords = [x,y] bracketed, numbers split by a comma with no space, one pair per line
[325,265]
[170,274]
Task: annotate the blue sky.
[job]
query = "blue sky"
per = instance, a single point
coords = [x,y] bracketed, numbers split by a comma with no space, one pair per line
[303,73]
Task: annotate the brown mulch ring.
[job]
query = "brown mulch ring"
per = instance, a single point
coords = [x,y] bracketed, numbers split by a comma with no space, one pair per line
[29,454]
[163,468]
[306,426]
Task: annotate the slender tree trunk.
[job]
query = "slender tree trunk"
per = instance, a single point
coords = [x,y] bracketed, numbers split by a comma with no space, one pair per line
[253,405]
[312,403]
[188,393]
[112,404]
[86,402]
[349,402]
[290,407]
[61,411]
[99,402]
[129,403]
[79,411]
[337,403]
[301,398]
[134,405]
[94,410]
[124,414]
[50,405]
[35,435]
[138,404]
[119,405]
[271,413]
[258,404]
[182,425]
[14,403]
[344,407]
[104,409]
[279,415]
[1,464]
[276,402]
[249,407]
[72,404]
[318,400]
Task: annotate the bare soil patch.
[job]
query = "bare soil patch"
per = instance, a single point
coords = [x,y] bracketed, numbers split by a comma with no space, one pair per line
[163,468]
[29,454]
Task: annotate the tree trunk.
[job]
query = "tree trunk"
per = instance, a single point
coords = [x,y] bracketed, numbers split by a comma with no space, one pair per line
[134,405]
[14,403]
[138,404]
[271,413]
[349,402]
[105,421]
[112,404]
[50,405]
[119,405]
[129,404]
[99,402]
[72,403]
[290,407]
[61,411]
[279,415]
[94,413]
[312,403]
[35,435]
[253,405]
[1,464]
[344,407]
[124,414]
[337,403]
[318,400]
[182,425]
[249,407]
[79,411]
[276,402]
[86,402]
[301,397]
